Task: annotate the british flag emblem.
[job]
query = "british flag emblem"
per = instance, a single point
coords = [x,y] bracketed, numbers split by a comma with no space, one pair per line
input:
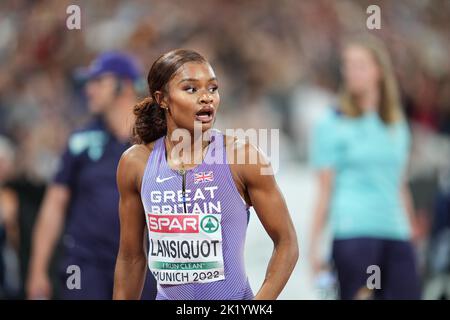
[203,177]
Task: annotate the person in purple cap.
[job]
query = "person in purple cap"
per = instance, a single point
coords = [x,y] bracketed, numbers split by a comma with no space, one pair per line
[82,200]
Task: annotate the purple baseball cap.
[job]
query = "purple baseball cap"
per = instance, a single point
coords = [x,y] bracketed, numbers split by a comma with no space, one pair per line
[120,64]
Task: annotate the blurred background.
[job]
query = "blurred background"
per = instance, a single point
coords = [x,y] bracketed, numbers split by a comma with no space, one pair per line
[278,67]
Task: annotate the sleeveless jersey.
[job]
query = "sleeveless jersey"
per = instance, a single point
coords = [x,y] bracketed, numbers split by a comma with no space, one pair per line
[196,227]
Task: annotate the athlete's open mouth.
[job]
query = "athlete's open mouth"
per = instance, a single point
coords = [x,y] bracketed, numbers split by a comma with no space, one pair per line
[205,114]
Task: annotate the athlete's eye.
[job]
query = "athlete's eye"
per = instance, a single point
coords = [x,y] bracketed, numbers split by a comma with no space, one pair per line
[190,89]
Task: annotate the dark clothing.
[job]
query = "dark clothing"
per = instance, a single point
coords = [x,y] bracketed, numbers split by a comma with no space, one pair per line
[91,239]
[2,263]
[88,168]
[96,281]
[30,195]
[396,262]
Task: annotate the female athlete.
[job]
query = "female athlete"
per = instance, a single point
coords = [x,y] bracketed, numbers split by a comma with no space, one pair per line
[193,202]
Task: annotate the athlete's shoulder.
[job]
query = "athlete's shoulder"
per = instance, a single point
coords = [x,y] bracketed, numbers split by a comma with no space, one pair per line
[132,165]
[137,153]
[243,148]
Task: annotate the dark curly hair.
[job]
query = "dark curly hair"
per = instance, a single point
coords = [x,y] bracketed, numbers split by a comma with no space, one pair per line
[150,122]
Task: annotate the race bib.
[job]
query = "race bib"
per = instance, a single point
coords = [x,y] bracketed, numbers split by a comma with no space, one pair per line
[185,248]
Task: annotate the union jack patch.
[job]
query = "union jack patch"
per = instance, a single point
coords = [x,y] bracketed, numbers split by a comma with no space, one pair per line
[203,177]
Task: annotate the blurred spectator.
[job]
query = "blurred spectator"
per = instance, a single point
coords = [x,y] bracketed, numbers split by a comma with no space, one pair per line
[84,191]
[360,151]
[9,280]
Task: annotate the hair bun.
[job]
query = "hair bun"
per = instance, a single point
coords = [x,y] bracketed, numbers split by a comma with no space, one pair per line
[150,121]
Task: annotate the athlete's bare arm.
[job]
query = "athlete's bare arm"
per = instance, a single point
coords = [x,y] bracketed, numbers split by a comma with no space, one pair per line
[262,192]
[131,260]
[46,233]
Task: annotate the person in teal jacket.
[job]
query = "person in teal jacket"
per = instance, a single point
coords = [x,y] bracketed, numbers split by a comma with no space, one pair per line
[360,152]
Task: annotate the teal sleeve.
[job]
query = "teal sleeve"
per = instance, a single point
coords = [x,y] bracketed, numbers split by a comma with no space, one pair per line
[323,144]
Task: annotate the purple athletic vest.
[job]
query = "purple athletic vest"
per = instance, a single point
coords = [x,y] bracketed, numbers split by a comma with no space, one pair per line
[196,246]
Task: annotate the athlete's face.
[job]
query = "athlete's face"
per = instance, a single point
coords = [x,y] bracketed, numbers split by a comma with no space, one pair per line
[193,97]
[360,70]
[101,93]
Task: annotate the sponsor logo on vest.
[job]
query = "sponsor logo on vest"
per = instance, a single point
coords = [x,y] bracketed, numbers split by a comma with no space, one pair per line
[209,224]
[159,179]
[173,223]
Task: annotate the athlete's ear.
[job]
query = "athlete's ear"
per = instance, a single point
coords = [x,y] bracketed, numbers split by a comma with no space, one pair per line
[161,100]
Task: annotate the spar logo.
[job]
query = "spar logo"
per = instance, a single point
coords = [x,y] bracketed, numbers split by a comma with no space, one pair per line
[177,223]
[209,224]
[182,223]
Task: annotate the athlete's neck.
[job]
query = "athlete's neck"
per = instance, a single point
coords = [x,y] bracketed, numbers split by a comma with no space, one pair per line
[186,152]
